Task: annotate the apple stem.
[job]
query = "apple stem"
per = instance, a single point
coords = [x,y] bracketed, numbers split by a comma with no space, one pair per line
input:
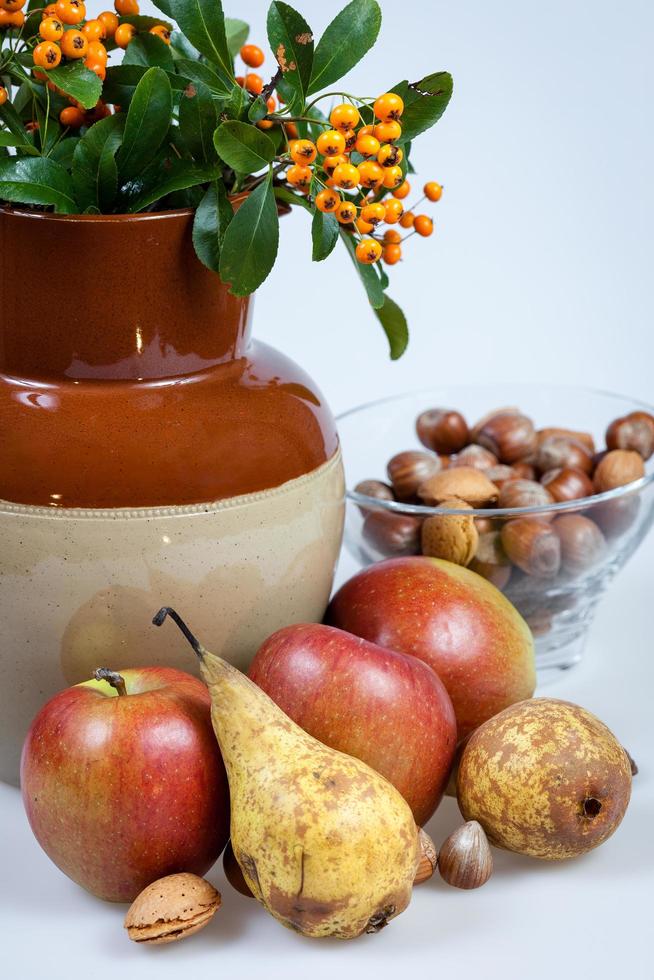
[160,618]
[111,677]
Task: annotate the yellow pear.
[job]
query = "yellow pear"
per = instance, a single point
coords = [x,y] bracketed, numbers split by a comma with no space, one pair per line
[326,844]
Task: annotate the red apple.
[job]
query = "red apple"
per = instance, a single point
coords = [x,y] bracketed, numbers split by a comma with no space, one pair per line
[125,784]
[388,710]
[451,618]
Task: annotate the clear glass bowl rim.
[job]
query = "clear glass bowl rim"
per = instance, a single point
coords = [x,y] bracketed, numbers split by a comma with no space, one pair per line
[422,510]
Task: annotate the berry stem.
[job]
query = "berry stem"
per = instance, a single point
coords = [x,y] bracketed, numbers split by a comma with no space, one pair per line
[275,117]
[342,95]
[268,89]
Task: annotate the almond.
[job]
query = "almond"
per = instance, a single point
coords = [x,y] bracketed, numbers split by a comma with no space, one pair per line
[463,482]
[171,909]
[452,537]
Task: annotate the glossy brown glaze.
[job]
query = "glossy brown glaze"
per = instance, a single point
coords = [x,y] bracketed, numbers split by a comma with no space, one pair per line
[127,374]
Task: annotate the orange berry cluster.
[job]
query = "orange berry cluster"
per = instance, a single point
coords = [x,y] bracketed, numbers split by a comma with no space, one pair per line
[11,14]
[379,172]
[65,33]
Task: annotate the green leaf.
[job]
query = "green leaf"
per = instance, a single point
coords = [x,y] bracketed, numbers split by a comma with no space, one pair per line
[288,197]
[182,48]
[165,6]
[122,80]
[180,175]
[395,327]
[203,23]
[64,151]
[369,274]
[291,40]
[237,34]
[198,119]
[324,235]
[424,102]
[258,110]
[95,174]
[20,142]
[78,82]
[37,180]
[150,51]
[148,120]
[250,245]
[12,121]
[212,218]
[237,104]
[197,71]
[143,23]
[244,148]
[349,36]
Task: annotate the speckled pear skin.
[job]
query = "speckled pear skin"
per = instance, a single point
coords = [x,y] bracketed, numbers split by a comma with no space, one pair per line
[544,778]
[327,845]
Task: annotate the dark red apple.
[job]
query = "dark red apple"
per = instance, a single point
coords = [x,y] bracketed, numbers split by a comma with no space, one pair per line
[125,784]
[451,618]
[388,710]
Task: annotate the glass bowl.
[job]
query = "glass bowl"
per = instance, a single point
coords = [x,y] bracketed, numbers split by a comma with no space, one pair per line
[558,600]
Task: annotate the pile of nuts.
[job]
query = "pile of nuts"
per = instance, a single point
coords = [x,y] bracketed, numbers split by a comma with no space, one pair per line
[504,461]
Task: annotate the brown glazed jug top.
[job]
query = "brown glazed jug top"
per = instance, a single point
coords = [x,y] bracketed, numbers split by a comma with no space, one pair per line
[128,377]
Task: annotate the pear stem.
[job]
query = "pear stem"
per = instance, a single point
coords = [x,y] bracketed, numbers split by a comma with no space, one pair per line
[160,618]
[111,677]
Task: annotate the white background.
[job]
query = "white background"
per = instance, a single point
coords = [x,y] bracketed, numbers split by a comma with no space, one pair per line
[540,270]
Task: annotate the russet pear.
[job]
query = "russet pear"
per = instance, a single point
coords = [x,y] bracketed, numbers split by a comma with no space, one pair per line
[326,845]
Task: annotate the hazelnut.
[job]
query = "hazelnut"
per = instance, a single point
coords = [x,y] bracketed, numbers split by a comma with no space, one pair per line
[428,858]
[478,426]
[619,467]
[408,470]
[484,524]
[525,592]
[171,909]
[375,489]
[392,534]
[635,431]
[490,549]
[463,482]
[509,435]
[465,859]
[442,430]
[533,546]
[524,493]
[475,456]
[501,474]
[615,517]
[562,452]
[497,575]
[585,438]
[491,561]
[582,542]
[539,622]
[452,537]
[567,484]
[524,471]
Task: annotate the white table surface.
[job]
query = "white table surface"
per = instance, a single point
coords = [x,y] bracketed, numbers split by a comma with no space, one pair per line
[587,918]
[540,270]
